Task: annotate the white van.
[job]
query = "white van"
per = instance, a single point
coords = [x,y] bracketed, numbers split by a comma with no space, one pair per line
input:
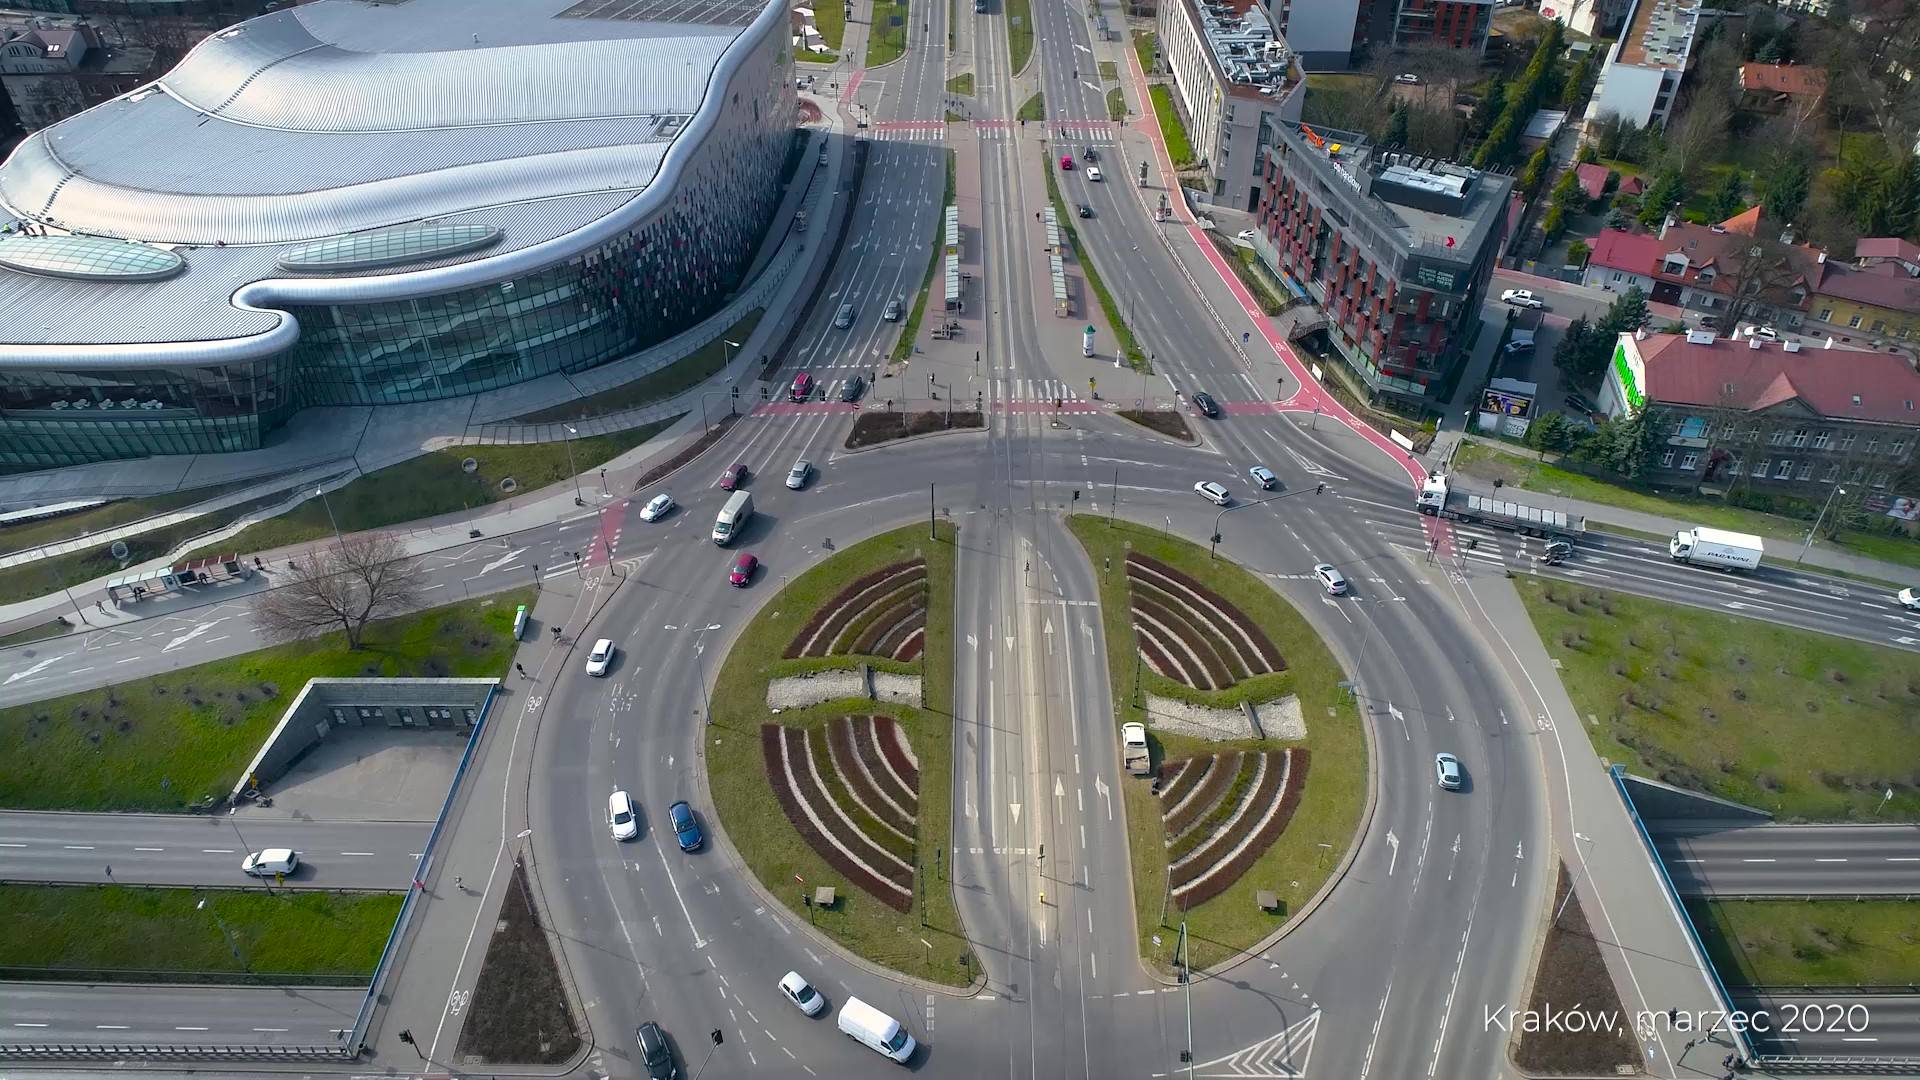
[733,517]
[882,1033]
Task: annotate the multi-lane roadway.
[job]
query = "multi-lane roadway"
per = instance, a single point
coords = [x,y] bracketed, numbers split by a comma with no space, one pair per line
[206,850]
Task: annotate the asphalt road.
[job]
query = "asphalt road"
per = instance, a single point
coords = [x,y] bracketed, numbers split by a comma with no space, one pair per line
[163,849]
[1831,1026]
[1793,860]
[72,1013]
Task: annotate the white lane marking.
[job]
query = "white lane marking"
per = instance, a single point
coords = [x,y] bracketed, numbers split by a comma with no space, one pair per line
[78,847]
[42,665]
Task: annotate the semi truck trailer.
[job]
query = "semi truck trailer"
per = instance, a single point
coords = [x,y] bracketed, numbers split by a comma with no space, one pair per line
[1702,546]
[1444,496]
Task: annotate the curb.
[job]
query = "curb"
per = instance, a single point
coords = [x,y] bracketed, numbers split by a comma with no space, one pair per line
[890,443]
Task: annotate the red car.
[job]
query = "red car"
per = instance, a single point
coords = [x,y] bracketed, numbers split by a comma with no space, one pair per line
[1066,162]
[734,476]
[740,575]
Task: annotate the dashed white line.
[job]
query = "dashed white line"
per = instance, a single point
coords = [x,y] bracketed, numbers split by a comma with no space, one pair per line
[189,1029]
[78,847]
[356,853]
[149,849]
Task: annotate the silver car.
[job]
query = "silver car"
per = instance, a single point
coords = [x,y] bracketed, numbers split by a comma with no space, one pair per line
[1446,771]
[798,475]
[1213,493]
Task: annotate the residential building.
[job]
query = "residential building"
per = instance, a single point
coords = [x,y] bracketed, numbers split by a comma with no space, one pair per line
[359,204]
[1706,268]
[1326,34]
[1322,33]
[1777,417]
[1459,24]
[52,68]
[1594,18]
[1592,177]
[1876,297]
[1644,67]
[1396,250]
[1237,84]
[1782,88]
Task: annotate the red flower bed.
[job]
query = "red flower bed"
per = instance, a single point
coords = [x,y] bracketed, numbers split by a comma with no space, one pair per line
[869,609]
[886,619]
[805,638]
[863,787]
[1186,773]
[1217,672]
[1232,871]
[896,636]
[910,648]
[1199,623]
[869,751]
[887,734]
[1261,642]
[1251,813]
[1213,787]
[773,740]
[1157,657]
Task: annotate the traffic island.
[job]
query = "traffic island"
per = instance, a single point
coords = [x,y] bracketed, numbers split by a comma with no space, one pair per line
[1573,1024]
[874,428]
[519,1014]
[1168,422]
[841,808]
[1232,835]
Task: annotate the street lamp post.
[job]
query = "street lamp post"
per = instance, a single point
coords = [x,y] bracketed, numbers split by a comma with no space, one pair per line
[324,501]
[1815,531]
[569,431]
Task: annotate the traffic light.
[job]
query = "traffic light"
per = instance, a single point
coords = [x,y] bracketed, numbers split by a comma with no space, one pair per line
[1320,489]
[406,1036]
[734,392]
[1076,494]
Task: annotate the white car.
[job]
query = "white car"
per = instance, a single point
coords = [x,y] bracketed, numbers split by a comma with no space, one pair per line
[1093,174]
[798,475]
[1330,579]
[601,657]
[621,820]
[271,862]
[1407,79]
[801,993]
[1446,771]
[1764,333]
[1263,477]
[1213,493]
[1909,599]
[657,507]
[1522,298]
[1244,236]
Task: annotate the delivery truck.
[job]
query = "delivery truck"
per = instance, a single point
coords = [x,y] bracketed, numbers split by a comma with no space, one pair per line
[1701,546]
[1445,496]
[733,517]
[1133,749]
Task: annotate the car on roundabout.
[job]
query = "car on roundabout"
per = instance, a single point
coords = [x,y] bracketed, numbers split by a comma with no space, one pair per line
[657,507]
[734,477]
[740,573]
[655,1054]
[1263,478]
[1216,494]
[798,476]
[1446,771]
[686,828]
[601,658]
[1330,579]
[801,992]
[622,820]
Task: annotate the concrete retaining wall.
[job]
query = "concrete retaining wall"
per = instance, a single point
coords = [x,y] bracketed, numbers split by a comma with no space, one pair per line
[325,704]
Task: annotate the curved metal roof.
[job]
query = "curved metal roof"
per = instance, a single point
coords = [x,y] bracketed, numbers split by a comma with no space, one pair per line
[88,258]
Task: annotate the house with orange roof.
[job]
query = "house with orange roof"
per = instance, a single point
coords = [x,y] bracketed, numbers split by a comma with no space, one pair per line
[1705,268]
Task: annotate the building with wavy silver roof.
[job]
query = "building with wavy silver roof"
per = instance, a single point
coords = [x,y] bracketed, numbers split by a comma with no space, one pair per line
[352,203]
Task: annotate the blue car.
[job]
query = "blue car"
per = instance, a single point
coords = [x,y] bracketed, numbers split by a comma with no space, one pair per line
[685,829]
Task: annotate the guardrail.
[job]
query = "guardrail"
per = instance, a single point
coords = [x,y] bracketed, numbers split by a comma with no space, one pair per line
[79,1052]
[294,980]
[1856,897]
[1855,1066]
[1835,990]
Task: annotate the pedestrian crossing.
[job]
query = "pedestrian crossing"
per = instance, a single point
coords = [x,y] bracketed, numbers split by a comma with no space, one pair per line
[1080,133]
[1041,395]
[1008,396]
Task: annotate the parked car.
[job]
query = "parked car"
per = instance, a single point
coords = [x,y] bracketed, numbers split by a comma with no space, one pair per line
[1213,493]
[657,507]
[1446,771]
[1263,477]
[798,475]
[1764,333]
[655,1054]
[802,994]
[601,658]
[1205,403]
[271,862]
[735,476]
[1085,210]
[621,820]
[1093,174]
[1518,348]
[1579,404]
[1330,579]
[851,389]
[1407,79]
[1522,298]
[1707,322]
[740,574]
[892,311]
[686,829]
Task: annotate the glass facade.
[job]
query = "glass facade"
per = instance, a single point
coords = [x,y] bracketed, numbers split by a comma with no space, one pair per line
[654,281]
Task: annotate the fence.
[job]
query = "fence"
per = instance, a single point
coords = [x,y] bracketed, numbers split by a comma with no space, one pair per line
[82,1052]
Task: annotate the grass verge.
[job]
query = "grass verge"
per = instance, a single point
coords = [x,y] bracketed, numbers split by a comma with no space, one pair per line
[1811,942]
[1109,70]
[1172,130]
[519,1013]
[831,21]
[32,534]
[50,628]
[1116,104]
[683,374]
[910,330]
[1145,46]
[1572,975]
[1804,725]
[887,33]
[744,800]
[1489,463]
[118,933]
[807,56]
[1034,108]
[1019,32]
[1298,863]
[1128,344]
[961,84]
[167,742]
[434,484]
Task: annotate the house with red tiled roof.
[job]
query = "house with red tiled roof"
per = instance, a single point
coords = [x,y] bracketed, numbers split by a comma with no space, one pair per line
[1788,418]
[1876,297]
[1592,177]
[1779,87]
[1705,267]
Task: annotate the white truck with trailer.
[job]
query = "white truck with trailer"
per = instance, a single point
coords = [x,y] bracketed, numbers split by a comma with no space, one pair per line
[1701,546]
[1444,496]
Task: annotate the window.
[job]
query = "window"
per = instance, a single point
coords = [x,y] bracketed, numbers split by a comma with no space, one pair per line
[1854,322]
[1737,466]
[1832,474]
[1845,444]
[1826,314]
[1693,427]
[1878,326]
[1821,440]
[1616,275]
[1859,474]
[1806,471]
[1690,462]
[1706,275]
[1872,445]
[1784,469]
[1880,479]
[1898,448]
[1800,437]
[1761,469]
[1777,438]
[1666,460]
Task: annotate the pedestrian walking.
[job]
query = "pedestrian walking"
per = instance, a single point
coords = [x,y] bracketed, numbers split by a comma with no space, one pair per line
[458,884]
[521,668]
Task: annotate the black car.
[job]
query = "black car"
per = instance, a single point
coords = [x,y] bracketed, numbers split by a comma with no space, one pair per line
[655,1054]
[1085,210]
[1205,403]
[853,388]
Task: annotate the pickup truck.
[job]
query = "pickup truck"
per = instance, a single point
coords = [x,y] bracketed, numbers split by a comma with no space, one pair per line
[1133,749]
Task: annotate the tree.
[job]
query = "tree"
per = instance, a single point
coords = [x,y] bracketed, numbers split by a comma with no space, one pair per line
[1583,353]
[1489,108]
[1699,136]
[1759,277]
[342,587]
[1727,196]
[1625,444]
[1397,127]
[1577,253]
[1787,179]
[1535,174]
[1667,191]
[1626,314]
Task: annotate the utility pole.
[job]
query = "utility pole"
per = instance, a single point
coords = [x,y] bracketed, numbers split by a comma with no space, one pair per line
[932,534]
[570,433]
[328,503]
[1186,980]
[1815,531]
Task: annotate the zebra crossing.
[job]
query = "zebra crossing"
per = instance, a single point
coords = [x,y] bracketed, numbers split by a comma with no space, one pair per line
[1041,395]
[1009,396]
[1088,133]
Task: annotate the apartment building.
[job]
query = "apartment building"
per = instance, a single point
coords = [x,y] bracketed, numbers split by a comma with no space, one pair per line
[1237,83]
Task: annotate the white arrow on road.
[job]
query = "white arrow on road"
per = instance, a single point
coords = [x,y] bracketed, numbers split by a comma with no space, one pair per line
[1393,851]
[1009,642]
[1047,629]
[1106,793]
[35,668]
[188,636]
[1015,808]
[1394,711]
[1519,851]
[972,642]
[502,560]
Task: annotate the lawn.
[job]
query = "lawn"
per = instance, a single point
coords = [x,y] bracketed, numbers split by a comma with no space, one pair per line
[1521,472]
[887,34]
[961,84]
[135,932]
[41,576]
[910,330]
[1145,45]
[831,21]
[1019,32]
[1300,861]
[683,374]
[167,742]
[50,628]
[434,484]
[1109,71]
[1116,104]
[1810,727]
[1171,129]
[1811,942]
[1034,108]
[744,800]
[87,522]
[1128,345]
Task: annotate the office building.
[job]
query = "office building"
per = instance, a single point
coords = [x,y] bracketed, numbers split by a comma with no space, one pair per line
[1237,84]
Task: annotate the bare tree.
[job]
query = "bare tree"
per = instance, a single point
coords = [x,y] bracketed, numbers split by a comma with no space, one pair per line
[1763,275]
[343,588]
